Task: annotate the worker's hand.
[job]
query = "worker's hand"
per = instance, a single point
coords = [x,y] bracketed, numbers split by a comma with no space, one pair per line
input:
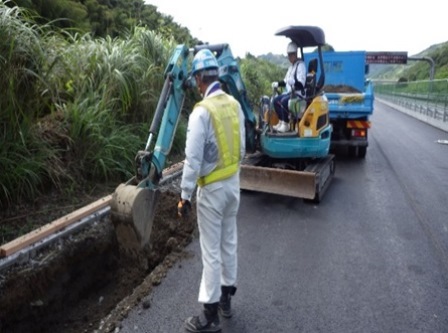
[274,85]
[291,82]
[183,208]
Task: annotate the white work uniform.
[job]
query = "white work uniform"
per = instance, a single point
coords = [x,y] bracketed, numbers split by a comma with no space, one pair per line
[296,72]
[217,202]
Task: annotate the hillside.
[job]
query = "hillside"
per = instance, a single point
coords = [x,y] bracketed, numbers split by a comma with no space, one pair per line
[416,69]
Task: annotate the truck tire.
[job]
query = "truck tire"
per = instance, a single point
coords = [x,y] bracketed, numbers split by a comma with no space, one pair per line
[362,151]
[351,151]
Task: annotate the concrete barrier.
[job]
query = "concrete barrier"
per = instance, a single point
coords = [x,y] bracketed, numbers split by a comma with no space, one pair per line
[421,113]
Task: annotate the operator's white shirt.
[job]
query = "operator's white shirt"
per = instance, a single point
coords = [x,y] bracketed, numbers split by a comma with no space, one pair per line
[300,75]
[201,149]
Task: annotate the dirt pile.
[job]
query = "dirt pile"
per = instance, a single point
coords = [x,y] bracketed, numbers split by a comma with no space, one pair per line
[71,286]
[340,88]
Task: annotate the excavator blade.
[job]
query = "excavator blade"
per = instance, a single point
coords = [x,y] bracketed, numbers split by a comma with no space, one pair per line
[132,213]
[300,184]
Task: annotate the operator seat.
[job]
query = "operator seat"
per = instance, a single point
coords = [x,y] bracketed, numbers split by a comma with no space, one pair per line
[299,106]
[314,119]
[310,82]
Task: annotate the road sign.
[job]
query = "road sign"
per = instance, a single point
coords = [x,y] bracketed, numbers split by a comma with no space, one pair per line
[386,57]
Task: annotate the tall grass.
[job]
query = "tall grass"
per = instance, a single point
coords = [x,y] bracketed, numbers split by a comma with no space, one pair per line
[113,87]
[73,108]
[23,156]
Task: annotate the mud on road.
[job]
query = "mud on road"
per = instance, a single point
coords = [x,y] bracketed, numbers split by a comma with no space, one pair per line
[84,283]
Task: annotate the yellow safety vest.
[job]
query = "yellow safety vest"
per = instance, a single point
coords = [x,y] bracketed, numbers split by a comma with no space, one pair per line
[223,110]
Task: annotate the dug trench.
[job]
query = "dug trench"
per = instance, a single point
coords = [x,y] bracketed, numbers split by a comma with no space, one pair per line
[84,283]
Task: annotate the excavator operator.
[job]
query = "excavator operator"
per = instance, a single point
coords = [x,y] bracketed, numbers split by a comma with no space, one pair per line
[294,82]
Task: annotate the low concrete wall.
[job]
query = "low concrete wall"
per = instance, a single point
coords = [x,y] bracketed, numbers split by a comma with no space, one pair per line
[425,117]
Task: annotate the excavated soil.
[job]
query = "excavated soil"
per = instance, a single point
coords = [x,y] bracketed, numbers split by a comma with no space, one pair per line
[329,88]
[84,283]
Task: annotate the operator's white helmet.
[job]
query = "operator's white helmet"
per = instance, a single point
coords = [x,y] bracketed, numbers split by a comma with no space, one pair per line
[205,60]
[292,48]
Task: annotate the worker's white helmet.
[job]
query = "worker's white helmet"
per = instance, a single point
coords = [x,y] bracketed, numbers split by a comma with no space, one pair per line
[292,48]
[205,60]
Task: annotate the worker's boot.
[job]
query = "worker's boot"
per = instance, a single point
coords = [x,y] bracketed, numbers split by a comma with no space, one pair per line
[276,127]
[284,127]
[224,302]
[207,321]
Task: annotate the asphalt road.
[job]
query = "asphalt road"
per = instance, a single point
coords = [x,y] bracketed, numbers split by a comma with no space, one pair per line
[371,257]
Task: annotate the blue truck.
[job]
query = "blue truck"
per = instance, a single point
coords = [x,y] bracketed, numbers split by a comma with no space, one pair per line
[350,99]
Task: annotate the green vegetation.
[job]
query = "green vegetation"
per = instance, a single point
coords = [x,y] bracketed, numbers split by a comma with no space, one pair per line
[73,108]
[258,75]
[427,92]
[102,18]
[76,108]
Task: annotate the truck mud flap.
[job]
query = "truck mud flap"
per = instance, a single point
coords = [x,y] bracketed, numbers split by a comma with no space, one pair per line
[299,184]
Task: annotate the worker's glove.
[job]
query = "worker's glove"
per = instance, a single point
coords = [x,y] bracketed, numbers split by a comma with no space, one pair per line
[274,85]
[183,208]
[188,83]
[291,82]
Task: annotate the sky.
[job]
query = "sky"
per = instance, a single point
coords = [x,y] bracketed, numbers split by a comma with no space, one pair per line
[349,25]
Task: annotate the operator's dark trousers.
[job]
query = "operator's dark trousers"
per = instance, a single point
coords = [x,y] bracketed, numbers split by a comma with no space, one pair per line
[281,106]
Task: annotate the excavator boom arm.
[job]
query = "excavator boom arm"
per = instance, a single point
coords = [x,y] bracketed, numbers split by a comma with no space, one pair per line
[166,117]
[133,204]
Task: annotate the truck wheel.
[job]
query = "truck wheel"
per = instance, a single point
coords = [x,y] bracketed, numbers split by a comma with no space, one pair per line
[352,151]
[362,151]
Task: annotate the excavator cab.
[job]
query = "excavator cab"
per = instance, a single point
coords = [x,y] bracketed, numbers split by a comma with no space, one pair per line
[317,117]
[296,162]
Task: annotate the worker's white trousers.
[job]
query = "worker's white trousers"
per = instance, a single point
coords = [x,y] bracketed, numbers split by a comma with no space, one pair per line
[217,207]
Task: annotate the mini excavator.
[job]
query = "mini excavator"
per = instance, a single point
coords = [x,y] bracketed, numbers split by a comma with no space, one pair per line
[295,163]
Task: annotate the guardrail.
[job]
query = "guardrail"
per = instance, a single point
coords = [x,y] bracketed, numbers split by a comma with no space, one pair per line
[424,100]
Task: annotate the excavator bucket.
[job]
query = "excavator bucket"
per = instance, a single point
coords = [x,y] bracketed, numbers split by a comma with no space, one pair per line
[299,184]
[133,205]
[133,210]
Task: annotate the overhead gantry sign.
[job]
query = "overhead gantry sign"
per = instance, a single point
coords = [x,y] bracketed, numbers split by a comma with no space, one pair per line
[386,57]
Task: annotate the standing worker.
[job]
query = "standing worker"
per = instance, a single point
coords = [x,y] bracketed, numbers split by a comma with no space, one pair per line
[214,149]
[295,84]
